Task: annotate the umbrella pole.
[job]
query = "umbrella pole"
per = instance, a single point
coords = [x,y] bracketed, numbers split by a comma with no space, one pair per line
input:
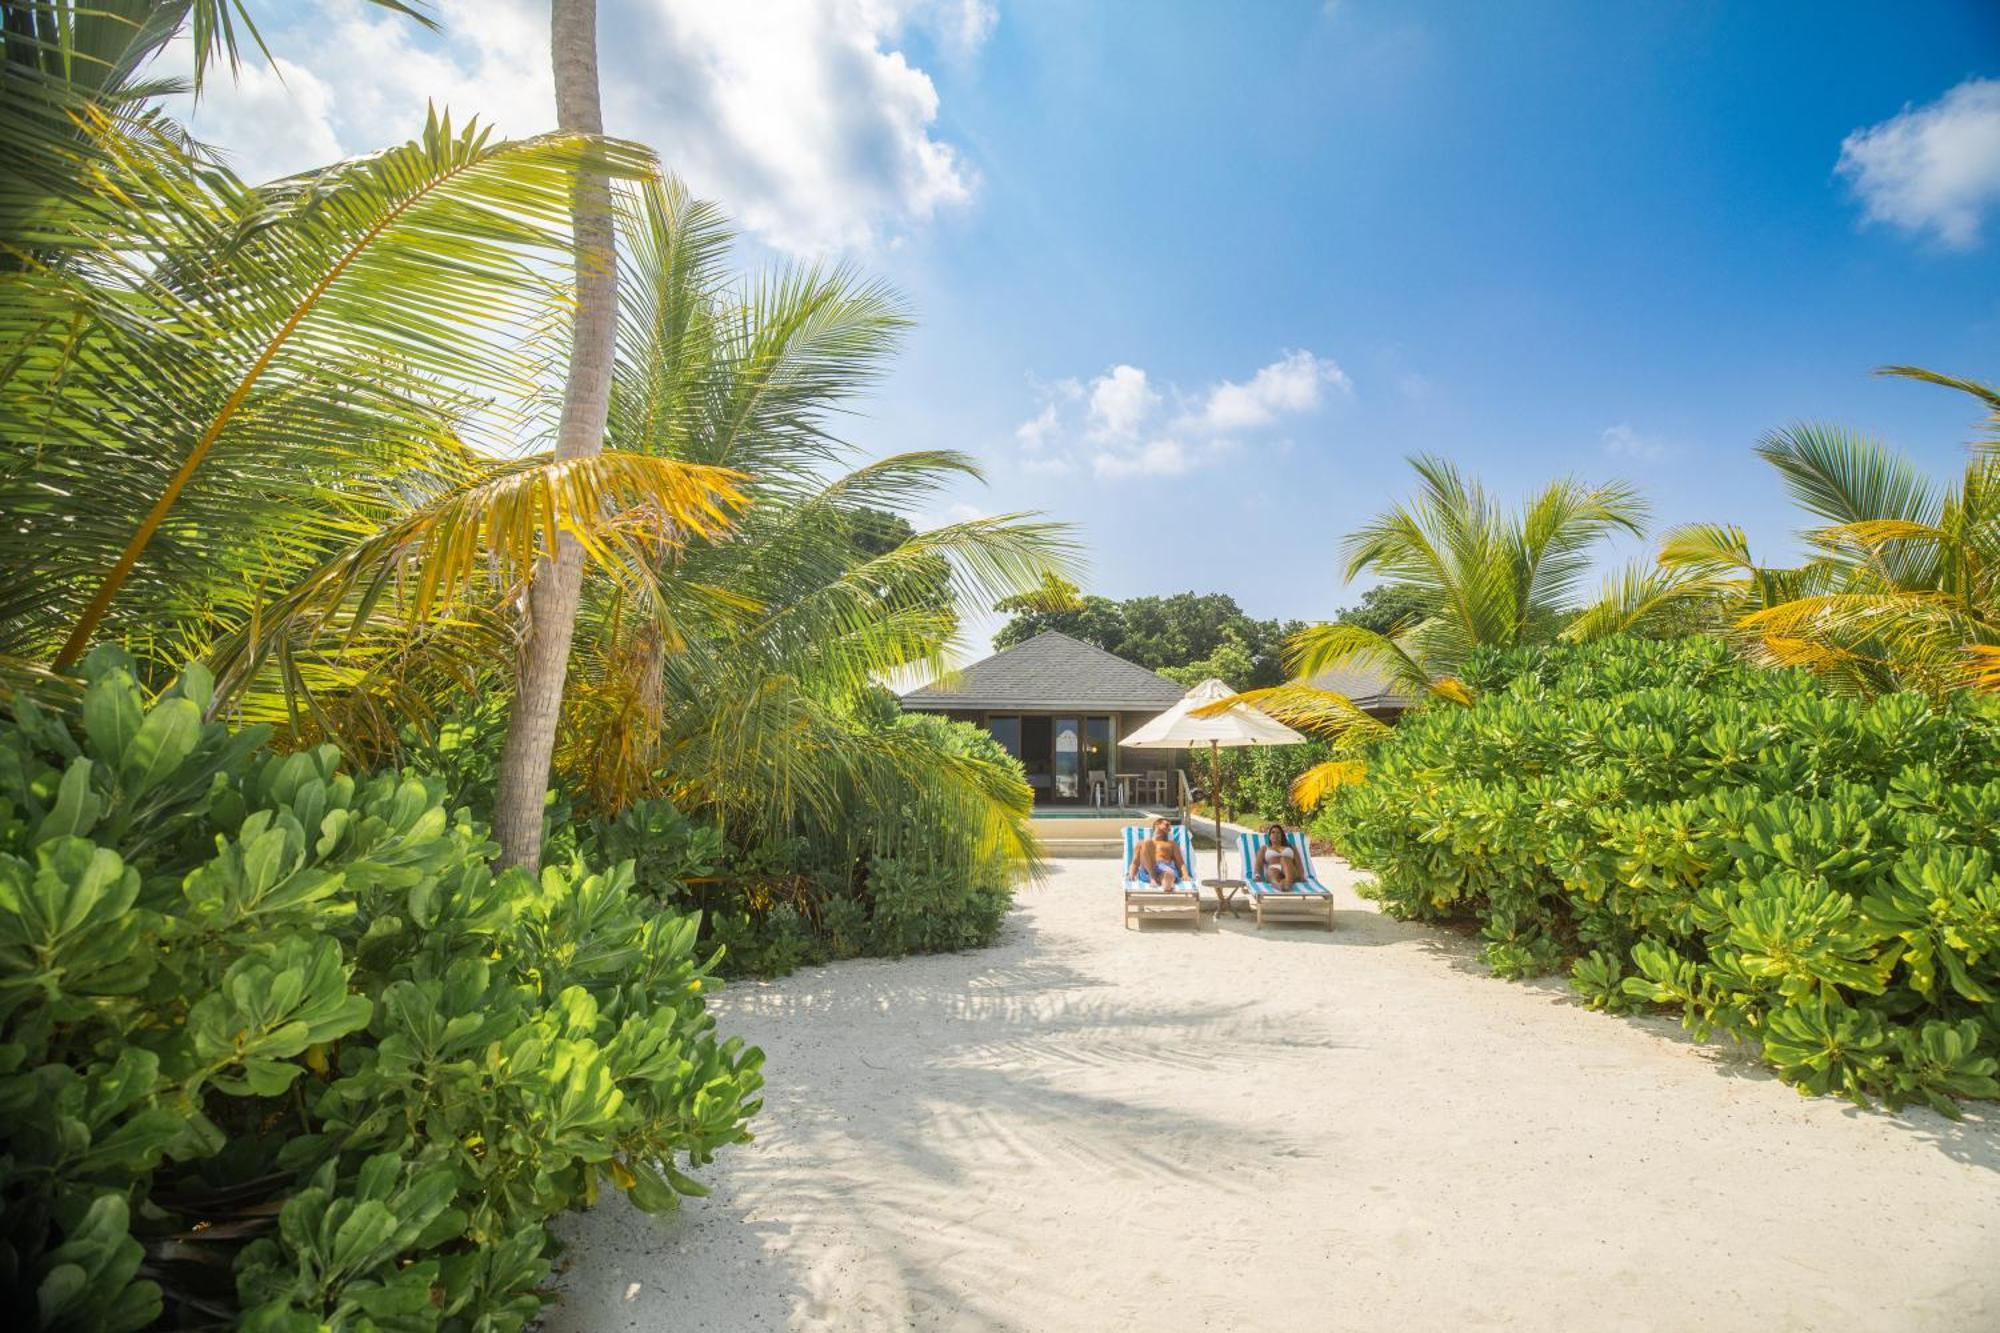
[1215,773]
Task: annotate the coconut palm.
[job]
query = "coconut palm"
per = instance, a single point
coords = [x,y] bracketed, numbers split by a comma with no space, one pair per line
[557,585]
[1703,581]
[745,685]
[1482,576]
[1898,587]
[266,423]
[1903,589]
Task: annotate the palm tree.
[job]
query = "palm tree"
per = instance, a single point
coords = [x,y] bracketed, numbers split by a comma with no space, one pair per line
[268,427]
[557,584]
[1703,581]
[1903,589]
[1898,588]
[745,684]
[1483,578]
[247,422]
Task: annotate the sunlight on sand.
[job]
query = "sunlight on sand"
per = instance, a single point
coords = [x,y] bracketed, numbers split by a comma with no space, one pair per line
[1088,1127]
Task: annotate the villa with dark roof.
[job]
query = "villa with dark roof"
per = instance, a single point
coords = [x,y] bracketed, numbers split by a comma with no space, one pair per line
[1060,706]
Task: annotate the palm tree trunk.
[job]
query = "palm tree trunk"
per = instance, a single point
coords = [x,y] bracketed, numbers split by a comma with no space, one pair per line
[558,582]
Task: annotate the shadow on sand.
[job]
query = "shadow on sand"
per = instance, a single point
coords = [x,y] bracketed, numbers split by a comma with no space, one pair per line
[961,1085]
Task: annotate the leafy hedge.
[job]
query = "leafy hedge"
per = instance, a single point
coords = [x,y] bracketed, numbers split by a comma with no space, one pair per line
[1259,779]
[909,874]
[277,1046]
[1812,872]
[900,873]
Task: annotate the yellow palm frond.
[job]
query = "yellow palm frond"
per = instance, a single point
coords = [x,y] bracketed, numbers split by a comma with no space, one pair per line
[1847,612]
[1313,786]
[1453,690]
[489,531]
[1984,673]
[1874,532]
[1318,648]
[1306,707]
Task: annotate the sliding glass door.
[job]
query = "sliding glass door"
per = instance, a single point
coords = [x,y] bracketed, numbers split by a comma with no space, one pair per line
[1069,759]
[1063,757]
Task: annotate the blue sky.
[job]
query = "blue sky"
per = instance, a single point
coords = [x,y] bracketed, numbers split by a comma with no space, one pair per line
[1198,277]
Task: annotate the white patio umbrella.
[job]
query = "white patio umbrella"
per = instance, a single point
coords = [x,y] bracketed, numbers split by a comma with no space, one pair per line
[1235,727]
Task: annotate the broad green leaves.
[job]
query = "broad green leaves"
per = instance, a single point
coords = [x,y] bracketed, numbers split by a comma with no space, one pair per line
[269,1010]
[68,934]
[221,965]
[1808,872]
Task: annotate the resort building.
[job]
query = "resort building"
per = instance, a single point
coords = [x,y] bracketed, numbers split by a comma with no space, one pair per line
[1368,687]
[1060,706]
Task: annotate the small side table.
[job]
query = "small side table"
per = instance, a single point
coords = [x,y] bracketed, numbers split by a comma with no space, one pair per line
[1225,892]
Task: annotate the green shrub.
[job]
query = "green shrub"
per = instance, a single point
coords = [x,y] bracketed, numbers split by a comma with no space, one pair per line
[922,907]
[1811,872]
[1259,779]
[908,873]
[276,1045]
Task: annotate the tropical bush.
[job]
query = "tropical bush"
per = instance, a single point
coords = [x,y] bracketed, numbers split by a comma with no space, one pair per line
[904,871]
[1259,779]
[1809,871]
[899,864]
[277,1046]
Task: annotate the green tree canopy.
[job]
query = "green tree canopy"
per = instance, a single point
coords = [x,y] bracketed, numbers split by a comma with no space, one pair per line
[1189,636]
[1386,607]
[1176,631]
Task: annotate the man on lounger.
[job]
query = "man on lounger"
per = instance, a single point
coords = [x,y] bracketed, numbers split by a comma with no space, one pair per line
[1156,859]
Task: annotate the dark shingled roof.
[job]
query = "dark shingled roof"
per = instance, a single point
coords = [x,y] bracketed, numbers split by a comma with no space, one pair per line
[1366,685]
[1050,671]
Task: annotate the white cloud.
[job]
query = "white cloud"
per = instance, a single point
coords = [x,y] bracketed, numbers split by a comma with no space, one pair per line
[798,114]
[1621,441]
[800,117]
[961,26]
[1932,168]
[364,78]
[1121,425]
[1040,430]
[1288,386]
[239,121]
[956,512]
[1120,402]
[1155,458]
[1048,467]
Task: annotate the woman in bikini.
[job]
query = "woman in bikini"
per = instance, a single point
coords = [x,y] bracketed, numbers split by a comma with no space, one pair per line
[1157,858]
[1278,862]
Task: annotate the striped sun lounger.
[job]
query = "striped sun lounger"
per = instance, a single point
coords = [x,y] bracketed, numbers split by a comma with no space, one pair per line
[1144,901]
[1307,899]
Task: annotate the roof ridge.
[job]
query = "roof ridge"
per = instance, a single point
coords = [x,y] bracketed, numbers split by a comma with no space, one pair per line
[1053,669]
[1086,643]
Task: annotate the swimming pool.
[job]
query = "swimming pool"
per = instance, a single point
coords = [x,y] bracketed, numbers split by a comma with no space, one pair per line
[1128,816]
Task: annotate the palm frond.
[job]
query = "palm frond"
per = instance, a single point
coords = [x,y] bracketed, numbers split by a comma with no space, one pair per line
[1848,478]
[1311,788]
[1324,713]
[488,533]
[274,356]
[1645,598]
[1319,648]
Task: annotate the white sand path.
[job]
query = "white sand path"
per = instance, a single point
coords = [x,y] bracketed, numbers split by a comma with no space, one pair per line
[1086,1127]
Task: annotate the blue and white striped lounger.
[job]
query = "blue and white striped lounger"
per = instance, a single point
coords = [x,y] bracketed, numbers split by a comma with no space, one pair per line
[1143,900]
[1307,898]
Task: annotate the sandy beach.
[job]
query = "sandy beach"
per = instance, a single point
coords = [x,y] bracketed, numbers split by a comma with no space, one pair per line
[1087,1127]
